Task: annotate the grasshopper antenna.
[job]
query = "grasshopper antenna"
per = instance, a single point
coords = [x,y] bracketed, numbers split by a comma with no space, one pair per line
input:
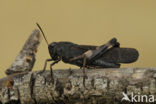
[42,33]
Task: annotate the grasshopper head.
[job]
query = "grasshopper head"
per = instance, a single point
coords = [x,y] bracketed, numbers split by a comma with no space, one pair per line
[53,51]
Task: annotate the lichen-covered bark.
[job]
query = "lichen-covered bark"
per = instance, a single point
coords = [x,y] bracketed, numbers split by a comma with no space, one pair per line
[103,86]
[26,57]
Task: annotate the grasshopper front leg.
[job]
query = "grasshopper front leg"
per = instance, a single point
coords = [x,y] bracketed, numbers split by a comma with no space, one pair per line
[45,65]
[51,69]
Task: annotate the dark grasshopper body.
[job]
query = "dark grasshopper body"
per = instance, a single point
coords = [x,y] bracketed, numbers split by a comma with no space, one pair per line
[111,59]
[108,55]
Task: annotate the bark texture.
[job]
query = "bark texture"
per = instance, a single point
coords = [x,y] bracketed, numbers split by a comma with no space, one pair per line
[103,86]
[26,57]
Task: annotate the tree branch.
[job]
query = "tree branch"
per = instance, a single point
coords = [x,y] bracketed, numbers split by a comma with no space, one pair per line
[102,86]
[26,57]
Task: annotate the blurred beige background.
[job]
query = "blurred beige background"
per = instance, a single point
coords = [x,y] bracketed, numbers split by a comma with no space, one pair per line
[92,22]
